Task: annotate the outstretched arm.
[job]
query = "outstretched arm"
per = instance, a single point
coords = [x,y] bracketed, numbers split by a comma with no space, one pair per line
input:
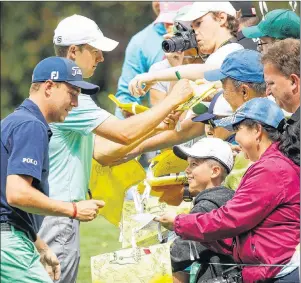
[191,72]
[135,127]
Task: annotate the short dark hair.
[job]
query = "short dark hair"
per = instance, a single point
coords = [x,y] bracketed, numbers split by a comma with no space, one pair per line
[62,51]
[285,56]
[231,24]
[248,21]
[34,87]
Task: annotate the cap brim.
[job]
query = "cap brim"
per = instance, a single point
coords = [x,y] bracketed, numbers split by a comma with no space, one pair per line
[252,32]
[228,122]
[191,15]
[167,18]
[86,88]
[214,75]
[181,151]
[104,44]
[203,117]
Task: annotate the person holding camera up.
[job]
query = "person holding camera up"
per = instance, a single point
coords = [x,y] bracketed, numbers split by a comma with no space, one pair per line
[214,35]
[189,56]
[143,50]
[215,27]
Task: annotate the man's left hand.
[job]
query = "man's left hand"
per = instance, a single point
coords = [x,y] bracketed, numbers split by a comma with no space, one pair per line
[167,220]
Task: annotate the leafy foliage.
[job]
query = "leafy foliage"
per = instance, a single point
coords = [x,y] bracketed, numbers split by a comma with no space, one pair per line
[27,30]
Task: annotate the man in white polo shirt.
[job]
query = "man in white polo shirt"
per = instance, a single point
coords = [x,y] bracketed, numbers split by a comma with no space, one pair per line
[87,132]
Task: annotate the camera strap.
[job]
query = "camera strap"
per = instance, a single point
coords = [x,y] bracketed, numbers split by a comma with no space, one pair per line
[228,41]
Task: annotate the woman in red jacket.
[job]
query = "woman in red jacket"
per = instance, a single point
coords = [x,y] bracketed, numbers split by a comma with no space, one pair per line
[260,226]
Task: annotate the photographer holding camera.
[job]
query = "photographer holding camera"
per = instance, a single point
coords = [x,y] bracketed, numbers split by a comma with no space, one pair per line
[215,27]
[214,33]
[181,37]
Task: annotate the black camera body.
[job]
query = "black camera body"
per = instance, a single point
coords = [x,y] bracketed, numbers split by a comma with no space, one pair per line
[184,39]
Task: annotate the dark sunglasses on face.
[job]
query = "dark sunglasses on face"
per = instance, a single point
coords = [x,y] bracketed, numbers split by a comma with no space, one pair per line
[211,123]
[260,45]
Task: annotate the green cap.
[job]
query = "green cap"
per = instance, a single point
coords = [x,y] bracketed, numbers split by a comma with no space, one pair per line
[278,24]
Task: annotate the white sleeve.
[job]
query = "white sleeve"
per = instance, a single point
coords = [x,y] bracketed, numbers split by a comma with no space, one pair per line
[220,54]
[159,66]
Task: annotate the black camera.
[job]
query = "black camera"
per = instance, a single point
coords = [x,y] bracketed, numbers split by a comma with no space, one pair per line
[184,39]
[231,275]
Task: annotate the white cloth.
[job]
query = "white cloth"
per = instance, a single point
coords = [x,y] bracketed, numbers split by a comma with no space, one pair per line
[217,58]
[161,65]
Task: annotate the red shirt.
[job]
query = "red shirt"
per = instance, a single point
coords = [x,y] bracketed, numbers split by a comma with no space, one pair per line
[262,219]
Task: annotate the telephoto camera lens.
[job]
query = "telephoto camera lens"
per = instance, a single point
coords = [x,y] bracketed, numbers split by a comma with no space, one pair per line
[184,39]
[168,46]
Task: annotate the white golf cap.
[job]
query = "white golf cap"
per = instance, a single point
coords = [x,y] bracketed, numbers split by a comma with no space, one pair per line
[76,30]
[199,9]
[208,148]
[222,107]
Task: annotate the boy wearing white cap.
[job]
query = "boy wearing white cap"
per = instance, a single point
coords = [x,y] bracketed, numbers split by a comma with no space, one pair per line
[209,161]
[73,143]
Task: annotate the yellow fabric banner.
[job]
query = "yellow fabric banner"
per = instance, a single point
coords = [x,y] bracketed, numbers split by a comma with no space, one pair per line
[167,163]
[110,184]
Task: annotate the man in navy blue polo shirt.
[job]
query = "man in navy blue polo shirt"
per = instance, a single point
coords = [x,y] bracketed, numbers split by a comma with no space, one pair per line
[25,134]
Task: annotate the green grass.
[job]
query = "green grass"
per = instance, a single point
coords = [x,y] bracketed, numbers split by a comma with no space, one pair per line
[96,237]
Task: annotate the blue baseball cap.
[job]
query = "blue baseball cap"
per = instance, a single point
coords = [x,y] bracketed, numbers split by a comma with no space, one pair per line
[243,65]
[259,109]
[60,69]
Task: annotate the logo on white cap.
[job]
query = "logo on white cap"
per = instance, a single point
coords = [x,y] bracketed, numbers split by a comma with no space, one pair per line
[77,30]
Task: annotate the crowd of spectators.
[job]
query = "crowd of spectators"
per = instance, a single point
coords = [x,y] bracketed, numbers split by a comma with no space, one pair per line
[242,144]
[257,113]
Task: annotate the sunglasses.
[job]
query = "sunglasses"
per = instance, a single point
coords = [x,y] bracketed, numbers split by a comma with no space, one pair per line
[260,44]
[211,123]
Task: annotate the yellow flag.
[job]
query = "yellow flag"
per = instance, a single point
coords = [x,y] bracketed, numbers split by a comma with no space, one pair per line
[167,163]
[110,184]
[200,92]
[133,107]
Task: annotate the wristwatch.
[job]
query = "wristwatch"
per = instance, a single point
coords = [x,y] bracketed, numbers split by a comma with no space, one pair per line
[186,195]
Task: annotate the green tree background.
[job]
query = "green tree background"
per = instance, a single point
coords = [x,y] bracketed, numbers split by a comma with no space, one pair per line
[26,38]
